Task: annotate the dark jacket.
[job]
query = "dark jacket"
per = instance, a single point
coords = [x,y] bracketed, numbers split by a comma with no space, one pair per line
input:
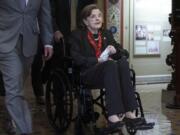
[61,16]
[84,54]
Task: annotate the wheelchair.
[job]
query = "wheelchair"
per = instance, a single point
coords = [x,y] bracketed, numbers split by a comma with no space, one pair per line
[64,90]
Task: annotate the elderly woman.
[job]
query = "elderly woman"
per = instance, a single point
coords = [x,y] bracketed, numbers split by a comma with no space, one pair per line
[94,50]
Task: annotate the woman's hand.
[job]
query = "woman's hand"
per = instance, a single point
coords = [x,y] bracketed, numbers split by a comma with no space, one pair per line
[111,49]
[100,60]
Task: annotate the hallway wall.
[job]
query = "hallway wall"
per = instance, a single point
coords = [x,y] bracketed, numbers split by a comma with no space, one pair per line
[148,68]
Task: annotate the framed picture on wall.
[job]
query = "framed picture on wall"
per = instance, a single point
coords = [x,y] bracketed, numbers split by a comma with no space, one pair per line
[149,27]
[113,18]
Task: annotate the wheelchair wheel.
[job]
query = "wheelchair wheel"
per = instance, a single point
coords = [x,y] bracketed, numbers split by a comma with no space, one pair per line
[59,101]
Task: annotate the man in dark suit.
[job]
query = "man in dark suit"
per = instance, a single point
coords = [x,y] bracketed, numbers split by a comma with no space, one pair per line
[61,28]
[21,21]
[61,18]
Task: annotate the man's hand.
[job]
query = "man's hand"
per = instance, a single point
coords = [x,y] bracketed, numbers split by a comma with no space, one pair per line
[57,36]
[48,52]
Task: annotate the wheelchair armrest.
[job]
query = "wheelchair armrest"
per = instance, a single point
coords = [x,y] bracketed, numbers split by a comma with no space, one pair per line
[133,77]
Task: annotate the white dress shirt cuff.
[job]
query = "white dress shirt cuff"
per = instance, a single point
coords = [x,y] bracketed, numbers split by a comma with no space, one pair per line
[50,46]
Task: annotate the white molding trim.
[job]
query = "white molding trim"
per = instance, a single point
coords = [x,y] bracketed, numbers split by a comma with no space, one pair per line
[150,79]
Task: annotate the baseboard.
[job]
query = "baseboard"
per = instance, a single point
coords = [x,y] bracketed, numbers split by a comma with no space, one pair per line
[150,79]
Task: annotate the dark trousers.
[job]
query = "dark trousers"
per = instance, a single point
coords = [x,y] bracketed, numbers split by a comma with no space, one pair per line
[115,78]
[36,73]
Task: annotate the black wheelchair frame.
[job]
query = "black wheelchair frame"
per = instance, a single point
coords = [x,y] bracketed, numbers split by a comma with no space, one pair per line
[64,86]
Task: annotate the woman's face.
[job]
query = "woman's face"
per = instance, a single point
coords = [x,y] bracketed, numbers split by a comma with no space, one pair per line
[94,21]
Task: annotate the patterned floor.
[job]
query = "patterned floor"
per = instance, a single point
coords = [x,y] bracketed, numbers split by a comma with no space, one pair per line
[154,99]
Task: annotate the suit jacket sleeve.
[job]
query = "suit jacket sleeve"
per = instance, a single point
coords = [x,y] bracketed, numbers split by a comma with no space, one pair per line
[78,53]
[45,23]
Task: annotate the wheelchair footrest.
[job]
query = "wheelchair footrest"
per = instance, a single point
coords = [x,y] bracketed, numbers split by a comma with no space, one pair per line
[133,127]
[145,126]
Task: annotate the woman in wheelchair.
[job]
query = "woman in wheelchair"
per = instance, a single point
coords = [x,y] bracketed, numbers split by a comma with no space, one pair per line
[103,65]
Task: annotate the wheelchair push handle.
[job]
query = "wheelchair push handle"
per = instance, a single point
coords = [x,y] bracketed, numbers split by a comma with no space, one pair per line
[63,46]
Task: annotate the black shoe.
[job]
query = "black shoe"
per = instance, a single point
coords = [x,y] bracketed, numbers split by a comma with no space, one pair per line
[9,127]
[114,125]
[40,100]
[134,122]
